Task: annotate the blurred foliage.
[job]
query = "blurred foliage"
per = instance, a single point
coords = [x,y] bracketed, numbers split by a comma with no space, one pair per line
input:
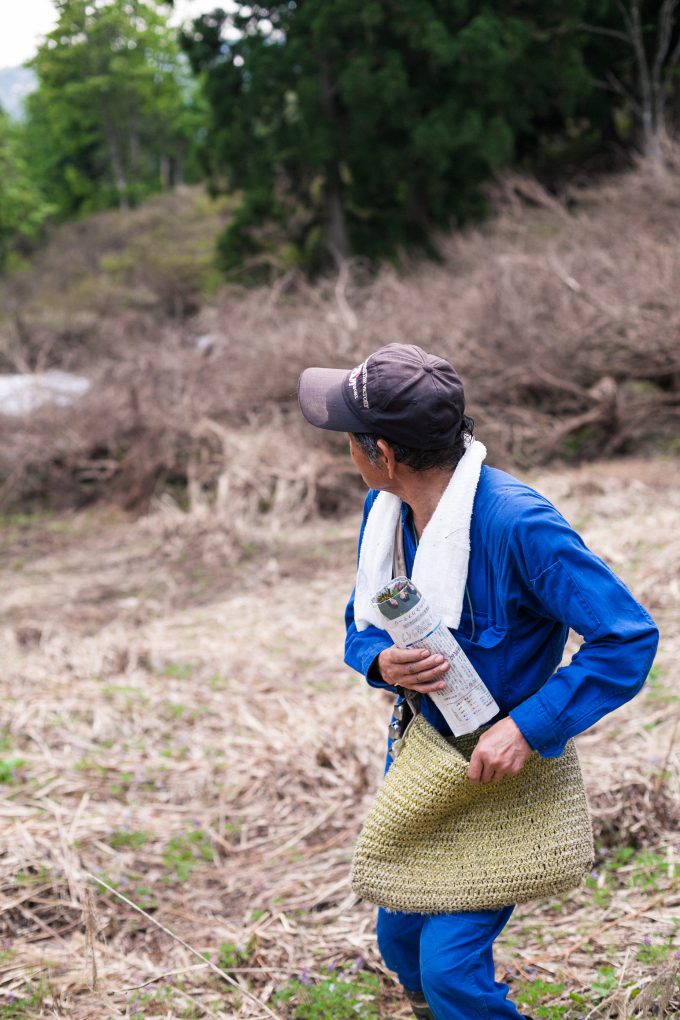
[362,126]
[23,209]
[115,116]
[359,127]
[156,261]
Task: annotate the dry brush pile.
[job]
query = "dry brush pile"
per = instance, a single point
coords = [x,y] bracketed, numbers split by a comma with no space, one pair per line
[178,724]
[563,317]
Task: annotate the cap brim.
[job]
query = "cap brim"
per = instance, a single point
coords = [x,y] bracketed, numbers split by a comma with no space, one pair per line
[320,395]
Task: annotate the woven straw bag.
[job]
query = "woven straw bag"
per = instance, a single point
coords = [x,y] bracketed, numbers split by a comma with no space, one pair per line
[434,842]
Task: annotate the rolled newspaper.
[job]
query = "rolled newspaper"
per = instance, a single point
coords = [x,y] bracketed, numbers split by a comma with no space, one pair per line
[466,702]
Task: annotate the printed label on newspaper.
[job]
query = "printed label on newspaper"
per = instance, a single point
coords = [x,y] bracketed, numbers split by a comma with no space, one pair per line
[466,702]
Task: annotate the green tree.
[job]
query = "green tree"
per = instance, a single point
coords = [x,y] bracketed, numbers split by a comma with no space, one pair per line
[113,117]
[23,208]
[363,125]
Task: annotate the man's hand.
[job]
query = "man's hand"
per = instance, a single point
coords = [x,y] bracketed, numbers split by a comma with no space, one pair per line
[500,751]
[414,668]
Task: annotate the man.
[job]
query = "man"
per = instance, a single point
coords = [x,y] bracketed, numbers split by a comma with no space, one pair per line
[529,579]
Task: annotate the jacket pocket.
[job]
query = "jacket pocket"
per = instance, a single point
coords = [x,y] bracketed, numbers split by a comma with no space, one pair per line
[488,652]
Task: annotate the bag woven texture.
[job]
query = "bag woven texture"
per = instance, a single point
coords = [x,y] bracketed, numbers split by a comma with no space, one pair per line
[434,842]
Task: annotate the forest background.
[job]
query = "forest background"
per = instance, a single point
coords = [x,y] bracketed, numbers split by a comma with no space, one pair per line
[187,219]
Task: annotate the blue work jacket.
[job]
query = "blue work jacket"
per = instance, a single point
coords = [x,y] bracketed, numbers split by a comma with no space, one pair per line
[531,578]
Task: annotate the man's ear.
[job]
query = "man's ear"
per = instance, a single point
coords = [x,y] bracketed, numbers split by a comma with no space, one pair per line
[388,454]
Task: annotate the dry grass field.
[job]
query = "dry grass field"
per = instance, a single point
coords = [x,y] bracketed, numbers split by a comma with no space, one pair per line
[177,723]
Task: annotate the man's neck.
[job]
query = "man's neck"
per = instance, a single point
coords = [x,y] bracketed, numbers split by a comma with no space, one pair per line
[422,491]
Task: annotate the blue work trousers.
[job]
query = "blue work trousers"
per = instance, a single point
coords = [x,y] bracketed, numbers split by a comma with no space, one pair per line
[449,957]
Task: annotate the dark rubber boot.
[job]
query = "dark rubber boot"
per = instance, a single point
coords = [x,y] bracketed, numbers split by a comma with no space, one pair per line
[419,1005]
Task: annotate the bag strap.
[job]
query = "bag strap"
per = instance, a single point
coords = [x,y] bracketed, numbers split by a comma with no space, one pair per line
[410,699]
[399,557]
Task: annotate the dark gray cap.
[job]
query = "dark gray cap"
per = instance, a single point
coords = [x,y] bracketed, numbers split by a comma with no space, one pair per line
[399,392]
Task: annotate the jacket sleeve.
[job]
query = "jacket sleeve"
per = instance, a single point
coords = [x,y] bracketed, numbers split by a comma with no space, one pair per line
[362,647]
[567,582]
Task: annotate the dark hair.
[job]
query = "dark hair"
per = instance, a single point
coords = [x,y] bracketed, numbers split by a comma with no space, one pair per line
[420,460]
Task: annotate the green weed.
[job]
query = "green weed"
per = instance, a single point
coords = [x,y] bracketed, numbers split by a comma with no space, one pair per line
[534,994]
[171,710]
[656,691]
[88,764]
[605,982]
[132,838]
[141,1003]
[230,955]
[175,753]
[24,1006]
[183,853]
[654,954]
[601,895]
[180,670]
[122,785]
[8,770]
[40,876]
[143,896]
[629,868]
[644,869]
[129,694]
[130,886]
[336,997]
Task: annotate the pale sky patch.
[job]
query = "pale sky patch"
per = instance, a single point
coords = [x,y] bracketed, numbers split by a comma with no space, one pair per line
[24,24]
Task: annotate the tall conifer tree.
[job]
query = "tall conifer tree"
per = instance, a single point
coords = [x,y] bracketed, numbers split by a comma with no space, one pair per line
[362,125]
[110,120]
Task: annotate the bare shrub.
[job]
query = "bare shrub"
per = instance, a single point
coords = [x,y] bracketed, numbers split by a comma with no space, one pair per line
[116,274]
[561,315]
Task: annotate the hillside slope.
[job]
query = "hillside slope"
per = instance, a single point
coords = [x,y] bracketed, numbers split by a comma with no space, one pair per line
[563,318]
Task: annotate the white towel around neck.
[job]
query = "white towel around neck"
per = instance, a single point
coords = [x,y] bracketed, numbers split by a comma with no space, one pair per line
[441,563]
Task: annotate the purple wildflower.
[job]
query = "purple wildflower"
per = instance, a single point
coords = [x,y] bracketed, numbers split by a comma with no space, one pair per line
[304,977]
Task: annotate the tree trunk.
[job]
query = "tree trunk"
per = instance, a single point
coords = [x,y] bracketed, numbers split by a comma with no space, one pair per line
[653,146]
[651,136]
[165,173]
[178,179]
[337,233]
[119,178]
